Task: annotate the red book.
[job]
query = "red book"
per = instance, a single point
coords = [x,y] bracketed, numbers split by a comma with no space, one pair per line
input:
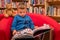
[35,1]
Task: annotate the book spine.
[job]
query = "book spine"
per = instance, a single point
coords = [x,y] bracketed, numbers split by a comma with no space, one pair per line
[14,5]
[55,11]
[58,11]
[43,11]
[38,1]
[30,9]
[0,11]
[31,1]
[41,1]
[5,3]
[36,10]
[0,3]
[40,10]
[51,11]
[35,1]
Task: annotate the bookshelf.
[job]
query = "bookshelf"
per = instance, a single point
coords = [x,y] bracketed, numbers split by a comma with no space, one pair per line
[49,8]
[53,9]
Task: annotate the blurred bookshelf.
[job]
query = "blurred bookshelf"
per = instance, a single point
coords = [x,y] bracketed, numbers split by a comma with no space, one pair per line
[53,9]
[49,8]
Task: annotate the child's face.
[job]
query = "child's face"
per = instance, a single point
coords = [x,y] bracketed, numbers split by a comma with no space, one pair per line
[22,12]
[9,6]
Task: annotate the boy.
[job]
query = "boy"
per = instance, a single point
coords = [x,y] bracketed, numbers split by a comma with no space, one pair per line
[22,23]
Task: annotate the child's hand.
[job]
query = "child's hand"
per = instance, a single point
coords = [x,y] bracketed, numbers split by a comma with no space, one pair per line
[14,32]
[36,27]
[30,31]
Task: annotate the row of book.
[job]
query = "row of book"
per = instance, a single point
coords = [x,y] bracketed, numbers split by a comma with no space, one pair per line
[38,10]
[4,2]
[53,11]
[37,1]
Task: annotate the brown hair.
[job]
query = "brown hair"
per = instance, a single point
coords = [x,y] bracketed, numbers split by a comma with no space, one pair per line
[22,5]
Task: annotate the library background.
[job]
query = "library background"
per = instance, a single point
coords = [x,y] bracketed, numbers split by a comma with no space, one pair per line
[49,8]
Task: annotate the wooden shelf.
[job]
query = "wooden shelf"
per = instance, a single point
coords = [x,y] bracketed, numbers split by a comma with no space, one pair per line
[20,0]
[57,18]
[2,8]
[38,5]
[5,8]
[54,3]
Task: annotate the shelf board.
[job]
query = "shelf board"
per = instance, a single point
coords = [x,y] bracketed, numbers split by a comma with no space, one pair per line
[2,8]
[38,5]
[54,3]
[57,18]
[5,8]
[20,0]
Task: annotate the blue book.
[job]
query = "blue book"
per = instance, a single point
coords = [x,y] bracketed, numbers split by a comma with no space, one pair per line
[32,1]
[51,10]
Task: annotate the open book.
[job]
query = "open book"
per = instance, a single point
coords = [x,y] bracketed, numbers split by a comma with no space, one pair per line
[28,33]
[36,32]
[39,31]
